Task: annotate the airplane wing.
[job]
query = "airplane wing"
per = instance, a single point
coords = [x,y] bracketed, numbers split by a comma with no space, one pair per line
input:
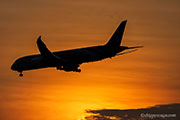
[50,58]
[46,53]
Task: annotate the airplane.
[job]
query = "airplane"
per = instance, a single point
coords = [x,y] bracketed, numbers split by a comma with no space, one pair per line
[70,60]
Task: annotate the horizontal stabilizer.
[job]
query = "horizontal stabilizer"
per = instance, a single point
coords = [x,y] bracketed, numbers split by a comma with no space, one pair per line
[126,52]
[135,47]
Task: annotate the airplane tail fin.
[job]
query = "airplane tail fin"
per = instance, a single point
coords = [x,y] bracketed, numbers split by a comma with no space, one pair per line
[116,38]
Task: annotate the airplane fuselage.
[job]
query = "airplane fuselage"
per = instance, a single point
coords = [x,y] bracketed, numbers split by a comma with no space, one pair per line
[72,57]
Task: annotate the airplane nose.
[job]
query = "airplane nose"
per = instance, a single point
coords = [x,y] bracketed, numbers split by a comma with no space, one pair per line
[14,66]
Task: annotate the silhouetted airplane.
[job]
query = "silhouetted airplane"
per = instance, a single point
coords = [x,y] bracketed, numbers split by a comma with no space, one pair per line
[70,60]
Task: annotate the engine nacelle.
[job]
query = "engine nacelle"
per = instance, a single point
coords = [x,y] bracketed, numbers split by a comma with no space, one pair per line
[69,68]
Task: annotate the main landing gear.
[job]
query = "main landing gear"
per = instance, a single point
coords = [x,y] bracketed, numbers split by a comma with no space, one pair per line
[78,70]
[68,68]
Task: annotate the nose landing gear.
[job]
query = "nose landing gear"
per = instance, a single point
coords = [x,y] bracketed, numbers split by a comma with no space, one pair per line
[20,74]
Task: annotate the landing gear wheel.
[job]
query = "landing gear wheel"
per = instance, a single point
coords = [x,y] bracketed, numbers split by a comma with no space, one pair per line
[20,74]
[78,70]
[59,67]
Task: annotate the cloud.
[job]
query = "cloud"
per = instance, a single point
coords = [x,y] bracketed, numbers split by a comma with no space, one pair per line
[158,112]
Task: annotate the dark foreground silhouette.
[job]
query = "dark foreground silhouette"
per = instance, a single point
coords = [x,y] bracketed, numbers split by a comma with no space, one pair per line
[159,112]
[70,60]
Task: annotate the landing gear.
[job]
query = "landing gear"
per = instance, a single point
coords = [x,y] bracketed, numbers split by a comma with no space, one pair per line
[59,67]
[69,68]
[20,74]
[78,70]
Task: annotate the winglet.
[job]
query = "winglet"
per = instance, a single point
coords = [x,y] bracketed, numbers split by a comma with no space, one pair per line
[39,38]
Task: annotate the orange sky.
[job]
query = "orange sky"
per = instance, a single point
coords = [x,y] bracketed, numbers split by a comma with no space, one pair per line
[144,78]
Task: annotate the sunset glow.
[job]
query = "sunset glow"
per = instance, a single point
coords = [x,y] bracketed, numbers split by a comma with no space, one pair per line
[147,77]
